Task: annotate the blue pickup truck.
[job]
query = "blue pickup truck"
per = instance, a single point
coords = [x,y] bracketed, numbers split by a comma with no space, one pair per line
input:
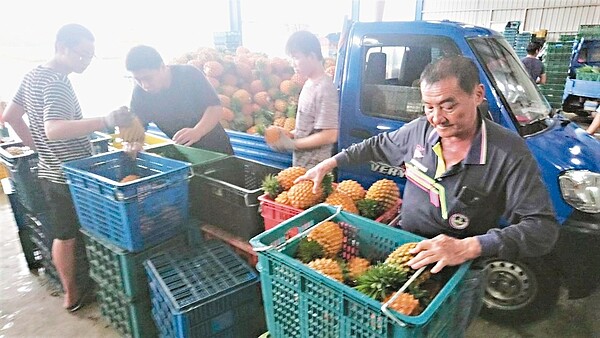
[377,69]
[582,95]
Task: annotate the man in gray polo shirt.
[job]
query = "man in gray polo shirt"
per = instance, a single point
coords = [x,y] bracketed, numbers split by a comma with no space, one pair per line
[465,176]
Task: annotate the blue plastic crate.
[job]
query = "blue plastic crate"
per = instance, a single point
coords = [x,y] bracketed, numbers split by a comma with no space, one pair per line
[133,215]
[254,147]
[300,302]
[204,292]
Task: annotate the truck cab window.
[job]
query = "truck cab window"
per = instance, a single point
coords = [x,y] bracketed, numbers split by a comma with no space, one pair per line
[391,71]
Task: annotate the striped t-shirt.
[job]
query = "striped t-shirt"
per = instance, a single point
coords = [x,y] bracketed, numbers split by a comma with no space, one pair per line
[45,95]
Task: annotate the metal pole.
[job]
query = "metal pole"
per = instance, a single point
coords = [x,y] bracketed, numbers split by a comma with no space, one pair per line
[235,17]
[419,10]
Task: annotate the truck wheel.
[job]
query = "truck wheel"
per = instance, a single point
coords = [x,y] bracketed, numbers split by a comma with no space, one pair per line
[519,290]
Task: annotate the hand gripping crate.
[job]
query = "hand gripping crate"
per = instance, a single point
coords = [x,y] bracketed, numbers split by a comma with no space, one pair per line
[133,215]
[227,193]
[300,302]
[207,291]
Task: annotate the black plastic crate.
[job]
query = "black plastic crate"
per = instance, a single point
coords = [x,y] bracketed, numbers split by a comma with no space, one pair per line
[23,174]
[225,193]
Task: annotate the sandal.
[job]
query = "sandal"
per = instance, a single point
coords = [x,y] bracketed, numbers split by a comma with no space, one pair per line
[78,305]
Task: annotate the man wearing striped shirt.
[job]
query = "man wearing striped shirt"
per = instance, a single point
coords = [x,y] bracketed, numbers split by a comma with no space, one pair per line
[59,133]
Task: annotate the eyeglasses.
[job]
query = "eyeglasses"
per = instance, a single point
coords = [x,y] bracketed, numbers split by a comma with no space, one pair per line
[83,56]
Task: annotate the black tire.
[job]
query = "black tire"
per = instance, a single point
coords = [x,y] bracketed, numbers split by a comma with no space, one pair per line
[520,291]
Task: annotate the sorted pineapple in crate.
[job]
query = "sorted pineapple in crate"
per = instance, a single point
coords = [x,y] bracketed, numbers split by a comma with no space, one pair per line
[301,194]
[356,267]
[399,257]
[343,200]
[330,236]
[352,189]
[328,267]
[385,192]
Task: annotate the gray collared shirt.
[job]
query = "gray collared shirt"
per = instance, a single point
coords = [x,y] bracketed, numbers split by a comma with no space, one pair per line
[495,193]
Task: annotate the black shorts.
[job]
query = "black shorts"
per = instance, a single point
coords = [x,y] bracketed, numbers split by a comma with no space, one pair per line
[64,223]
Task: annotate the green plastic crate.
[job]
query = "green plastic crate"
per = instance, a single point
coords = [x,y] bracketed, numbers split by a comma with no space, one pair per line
[585,76]
[194,156]
[121,270]
[130,319]
[300,302]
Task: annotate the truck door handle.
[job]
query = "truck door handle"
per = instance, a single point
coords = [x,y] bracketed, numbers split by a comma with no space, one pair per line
[360,133]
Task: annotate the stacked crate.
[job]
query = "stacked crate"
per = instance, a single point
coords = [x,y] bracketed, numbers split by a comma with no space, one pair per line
[510,34]
[522,40]
[556,64]
[205,292]
[29,209]
[589,31]
[227,41]
[224,189]
[124,223]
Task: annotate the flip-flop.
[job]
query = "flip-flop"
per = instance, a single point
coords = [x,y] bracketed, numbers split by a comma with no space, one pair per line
[78,305]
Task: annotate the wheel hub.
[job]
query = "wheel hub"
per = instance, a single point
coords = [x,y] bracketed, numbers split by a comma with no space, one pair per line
[510,286]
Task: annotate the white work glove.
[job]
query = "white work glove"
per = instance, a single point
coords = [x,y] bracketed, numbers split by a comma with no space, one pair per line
[133,148]
[118,118]
[284,143]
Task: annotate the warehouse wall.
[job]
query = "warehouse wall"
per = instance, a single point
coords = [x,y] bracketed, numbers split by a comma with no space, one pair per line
[557,16]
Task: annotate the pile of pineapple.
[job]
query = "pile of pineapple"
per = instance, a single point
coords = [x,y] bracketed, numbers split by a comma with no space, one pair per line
[350,195]
[256,91]
[321,250]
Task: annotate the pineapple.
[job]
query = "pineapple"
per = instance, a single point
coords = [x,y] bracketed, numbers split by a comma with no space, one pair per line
[279,121]
[369,208]
[301,195]
[309,251]
[401,256]
[328,267]
[289,124]
[381,280]
[342,200]
[283,198]
[330,236]
[352,189]
[357,266]
[271,186]
[405,304]
[385,192]
[287,176]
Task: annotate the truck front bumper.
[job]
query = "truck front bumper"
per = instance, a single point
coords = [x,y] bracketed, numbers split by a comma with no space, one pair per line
[577,254]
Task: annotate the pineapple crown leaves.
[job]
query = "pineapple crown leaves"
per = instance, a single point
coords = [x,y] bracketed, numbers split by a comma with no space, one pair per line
[260,129]
[271,186]
[291,110]
[309,251]
[264,116]
[369,208]
[381,280]
[327,184]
